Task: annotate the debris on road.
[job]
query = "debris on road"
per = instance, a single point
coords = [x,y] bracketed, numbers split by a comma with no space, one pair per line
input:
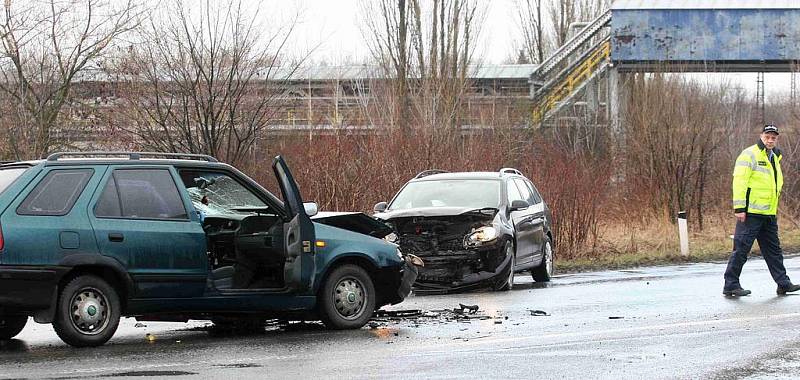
[471,309]
[463,313]
[615,317]
[539,313]
[150,337]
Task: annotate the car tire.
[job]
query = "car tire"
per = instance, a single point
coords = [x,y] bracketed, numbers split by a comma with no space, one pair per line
[11,325]
[544,271]
[507,283]
[347,298]
[87,313]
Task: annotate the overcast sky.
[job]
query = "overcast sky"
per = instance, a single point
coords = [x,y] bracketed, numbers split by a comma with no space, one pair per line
[332,28]
[335,26]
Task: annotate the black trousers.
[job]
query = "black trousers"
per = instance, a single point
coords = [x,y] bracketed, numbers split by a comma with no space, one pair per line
[765,230]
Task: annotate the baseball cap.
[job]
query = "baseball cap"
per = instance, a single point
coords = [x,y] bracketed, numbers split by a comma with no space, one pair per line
[770,128]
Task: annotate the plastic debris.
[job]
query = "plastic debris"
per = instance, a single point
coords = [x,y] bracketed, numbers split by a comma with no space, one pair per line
[150,337]
[539,313]
[470,309]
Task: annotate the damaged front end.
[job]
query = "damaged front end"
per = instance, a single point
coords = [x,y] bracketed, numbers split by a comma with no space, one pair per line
[459,251]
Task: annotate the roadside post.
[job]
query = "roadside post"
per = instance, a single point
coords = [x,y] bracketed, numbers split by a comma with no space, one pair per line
[683,233]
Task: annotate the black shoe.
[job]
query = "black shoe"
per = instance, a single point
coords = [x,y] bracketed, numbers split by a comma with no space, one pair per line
[739,292]
[788,289]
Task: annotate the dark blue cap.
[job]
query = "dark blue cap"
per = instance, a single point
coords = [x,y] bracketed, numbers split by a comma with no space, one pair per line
[770,128]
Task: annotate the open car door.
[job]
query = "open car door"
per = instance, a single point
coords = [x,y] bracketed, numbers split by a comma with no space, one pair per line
[298,232]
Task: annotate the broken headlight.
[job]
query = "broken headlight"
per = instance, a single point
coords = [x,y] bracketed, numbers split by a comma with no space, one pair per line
[481,236]
[391,238]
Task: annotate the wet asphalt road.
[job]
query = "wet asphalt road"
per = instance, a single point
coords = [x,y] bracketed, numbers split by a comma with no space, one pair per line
[662,322]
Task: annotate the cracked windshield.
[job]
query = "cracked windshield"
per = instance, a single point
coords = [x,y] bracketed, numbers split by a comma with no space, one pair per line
[215,194]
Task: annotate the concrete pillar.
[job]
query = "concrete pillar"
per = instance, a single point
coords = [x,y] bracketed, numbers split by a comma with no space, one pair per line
[618,92]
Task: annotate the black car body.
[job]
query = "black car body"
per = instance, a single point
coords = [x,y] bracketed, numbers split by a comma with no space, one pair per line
[472,228]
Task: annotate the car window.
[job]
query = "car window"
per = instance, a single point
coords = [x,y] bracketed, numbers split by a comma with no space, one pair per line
[524,191]
[141,194]
[534,192]
[513,192]
[56,193]
[473,194]
[8,176]
[217,193]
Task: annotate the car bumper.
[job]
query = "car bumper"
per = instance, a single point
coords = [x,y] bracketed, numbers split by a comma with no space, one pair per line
[409,276]
[394,283]
[441,275]
[26,289]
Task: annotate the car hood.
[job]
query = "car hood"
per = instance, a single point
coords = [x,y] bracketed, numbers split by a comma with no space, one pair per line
[436,211]
[354,221]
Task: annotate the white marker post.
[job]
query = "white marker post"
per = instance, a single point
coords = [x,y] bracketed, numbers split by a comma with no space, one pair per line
[683,233]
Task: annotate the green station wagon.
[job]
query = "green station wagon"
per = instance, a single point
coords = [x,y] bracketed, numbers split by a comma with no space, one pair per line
[86,238]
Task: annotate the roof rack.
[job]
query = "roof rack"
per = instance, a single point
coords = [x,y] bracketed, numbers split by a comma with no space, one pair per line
[511,171]
[133,155]
[430,172]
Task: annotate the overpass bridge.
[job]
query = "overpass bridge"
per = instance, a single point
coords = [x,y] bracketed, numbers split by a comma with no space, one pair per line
[664,36]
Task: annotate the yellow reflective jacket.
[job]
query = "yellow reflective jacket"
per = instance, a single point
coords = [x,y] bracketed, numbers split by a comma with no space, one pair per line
[756,182]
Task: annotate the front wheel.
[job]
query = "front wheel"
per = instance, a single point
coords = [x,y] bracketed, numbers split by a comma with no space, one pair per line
[544,271]
[347,298]
[88,312]
[508,282]
[11,325]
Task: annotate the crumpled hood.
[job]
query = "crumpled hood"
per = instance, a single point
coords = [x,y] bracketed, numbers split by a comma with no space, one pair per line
[354,221]
[435,211]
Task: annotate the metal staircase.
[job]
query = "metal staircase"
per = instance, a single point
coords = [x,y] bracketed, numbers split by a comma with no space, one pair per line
[570,68]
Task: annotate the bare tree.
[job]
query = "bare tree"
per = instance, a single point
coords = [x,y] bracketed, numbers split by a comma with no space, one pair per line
[531,23]
[47,46]
[207,79]
[564,13]
[426,49]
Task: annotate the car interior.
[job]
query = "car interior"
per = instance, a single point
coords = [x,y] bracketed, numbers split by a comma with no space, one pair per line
[244,238]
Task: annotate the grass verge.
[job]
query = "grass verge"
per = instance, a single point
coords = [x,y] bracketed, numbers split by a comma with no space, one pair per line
[628,247]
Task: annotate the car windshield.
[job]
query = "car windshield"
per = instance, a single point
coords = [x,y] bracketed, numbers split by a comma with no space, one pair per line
[467,193]
[217,194]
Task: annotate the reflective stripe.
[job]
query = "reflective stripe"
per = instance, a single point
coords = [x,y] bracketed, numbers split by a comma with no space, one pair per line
[752,156]
[758,207]
[739,203]
[762,170]
[744,163]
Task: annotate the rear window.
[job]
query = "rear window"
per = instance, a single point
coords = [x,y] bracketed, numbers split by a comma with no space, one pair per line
[141,194]
[56,193]
[8,176]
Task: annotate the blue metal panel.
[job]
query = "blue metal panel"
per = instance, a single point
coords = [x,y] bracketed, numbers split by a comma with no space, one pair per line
[736,35]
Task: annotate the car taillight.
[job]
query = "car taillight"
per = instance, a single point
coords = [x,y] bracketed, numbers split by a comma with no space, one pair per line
[2,242]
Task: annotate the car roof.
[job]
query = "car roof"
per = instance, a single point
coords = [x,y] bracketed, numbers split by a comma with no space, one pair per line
[123,158]
[111,161]
[463,175]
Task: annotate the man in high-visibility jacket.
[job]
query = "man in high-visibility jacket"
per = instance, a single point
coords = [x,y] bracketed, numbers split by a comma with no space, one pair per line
[757,182]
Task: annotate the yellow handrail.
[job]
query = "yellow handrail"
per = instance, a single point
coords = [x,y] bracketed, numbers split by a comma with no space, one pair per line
[572,81]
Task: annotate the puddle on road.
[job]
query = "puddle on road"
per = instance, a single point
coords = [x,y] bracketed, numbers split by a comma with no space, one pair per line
[238,365]
[151,373]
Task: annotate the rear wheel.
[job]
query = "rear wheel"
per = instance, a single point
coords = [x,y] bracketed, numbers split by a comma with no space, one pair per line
[347,298]
[544,271]
[88,312]
[508,282]
[11,325]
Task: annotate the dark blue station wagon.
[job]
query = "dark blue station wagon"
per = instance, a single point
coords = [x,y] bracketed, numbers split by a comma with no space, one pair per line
[86,238]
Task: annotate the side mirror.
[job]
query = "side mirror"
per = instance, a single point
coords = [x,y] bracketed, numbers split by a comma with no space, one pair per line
[519,204]
[380,207]
[311,208]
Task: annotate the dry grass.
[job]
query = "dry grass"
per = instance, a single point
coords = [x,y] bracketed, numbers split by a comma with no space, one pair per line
[626,244]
